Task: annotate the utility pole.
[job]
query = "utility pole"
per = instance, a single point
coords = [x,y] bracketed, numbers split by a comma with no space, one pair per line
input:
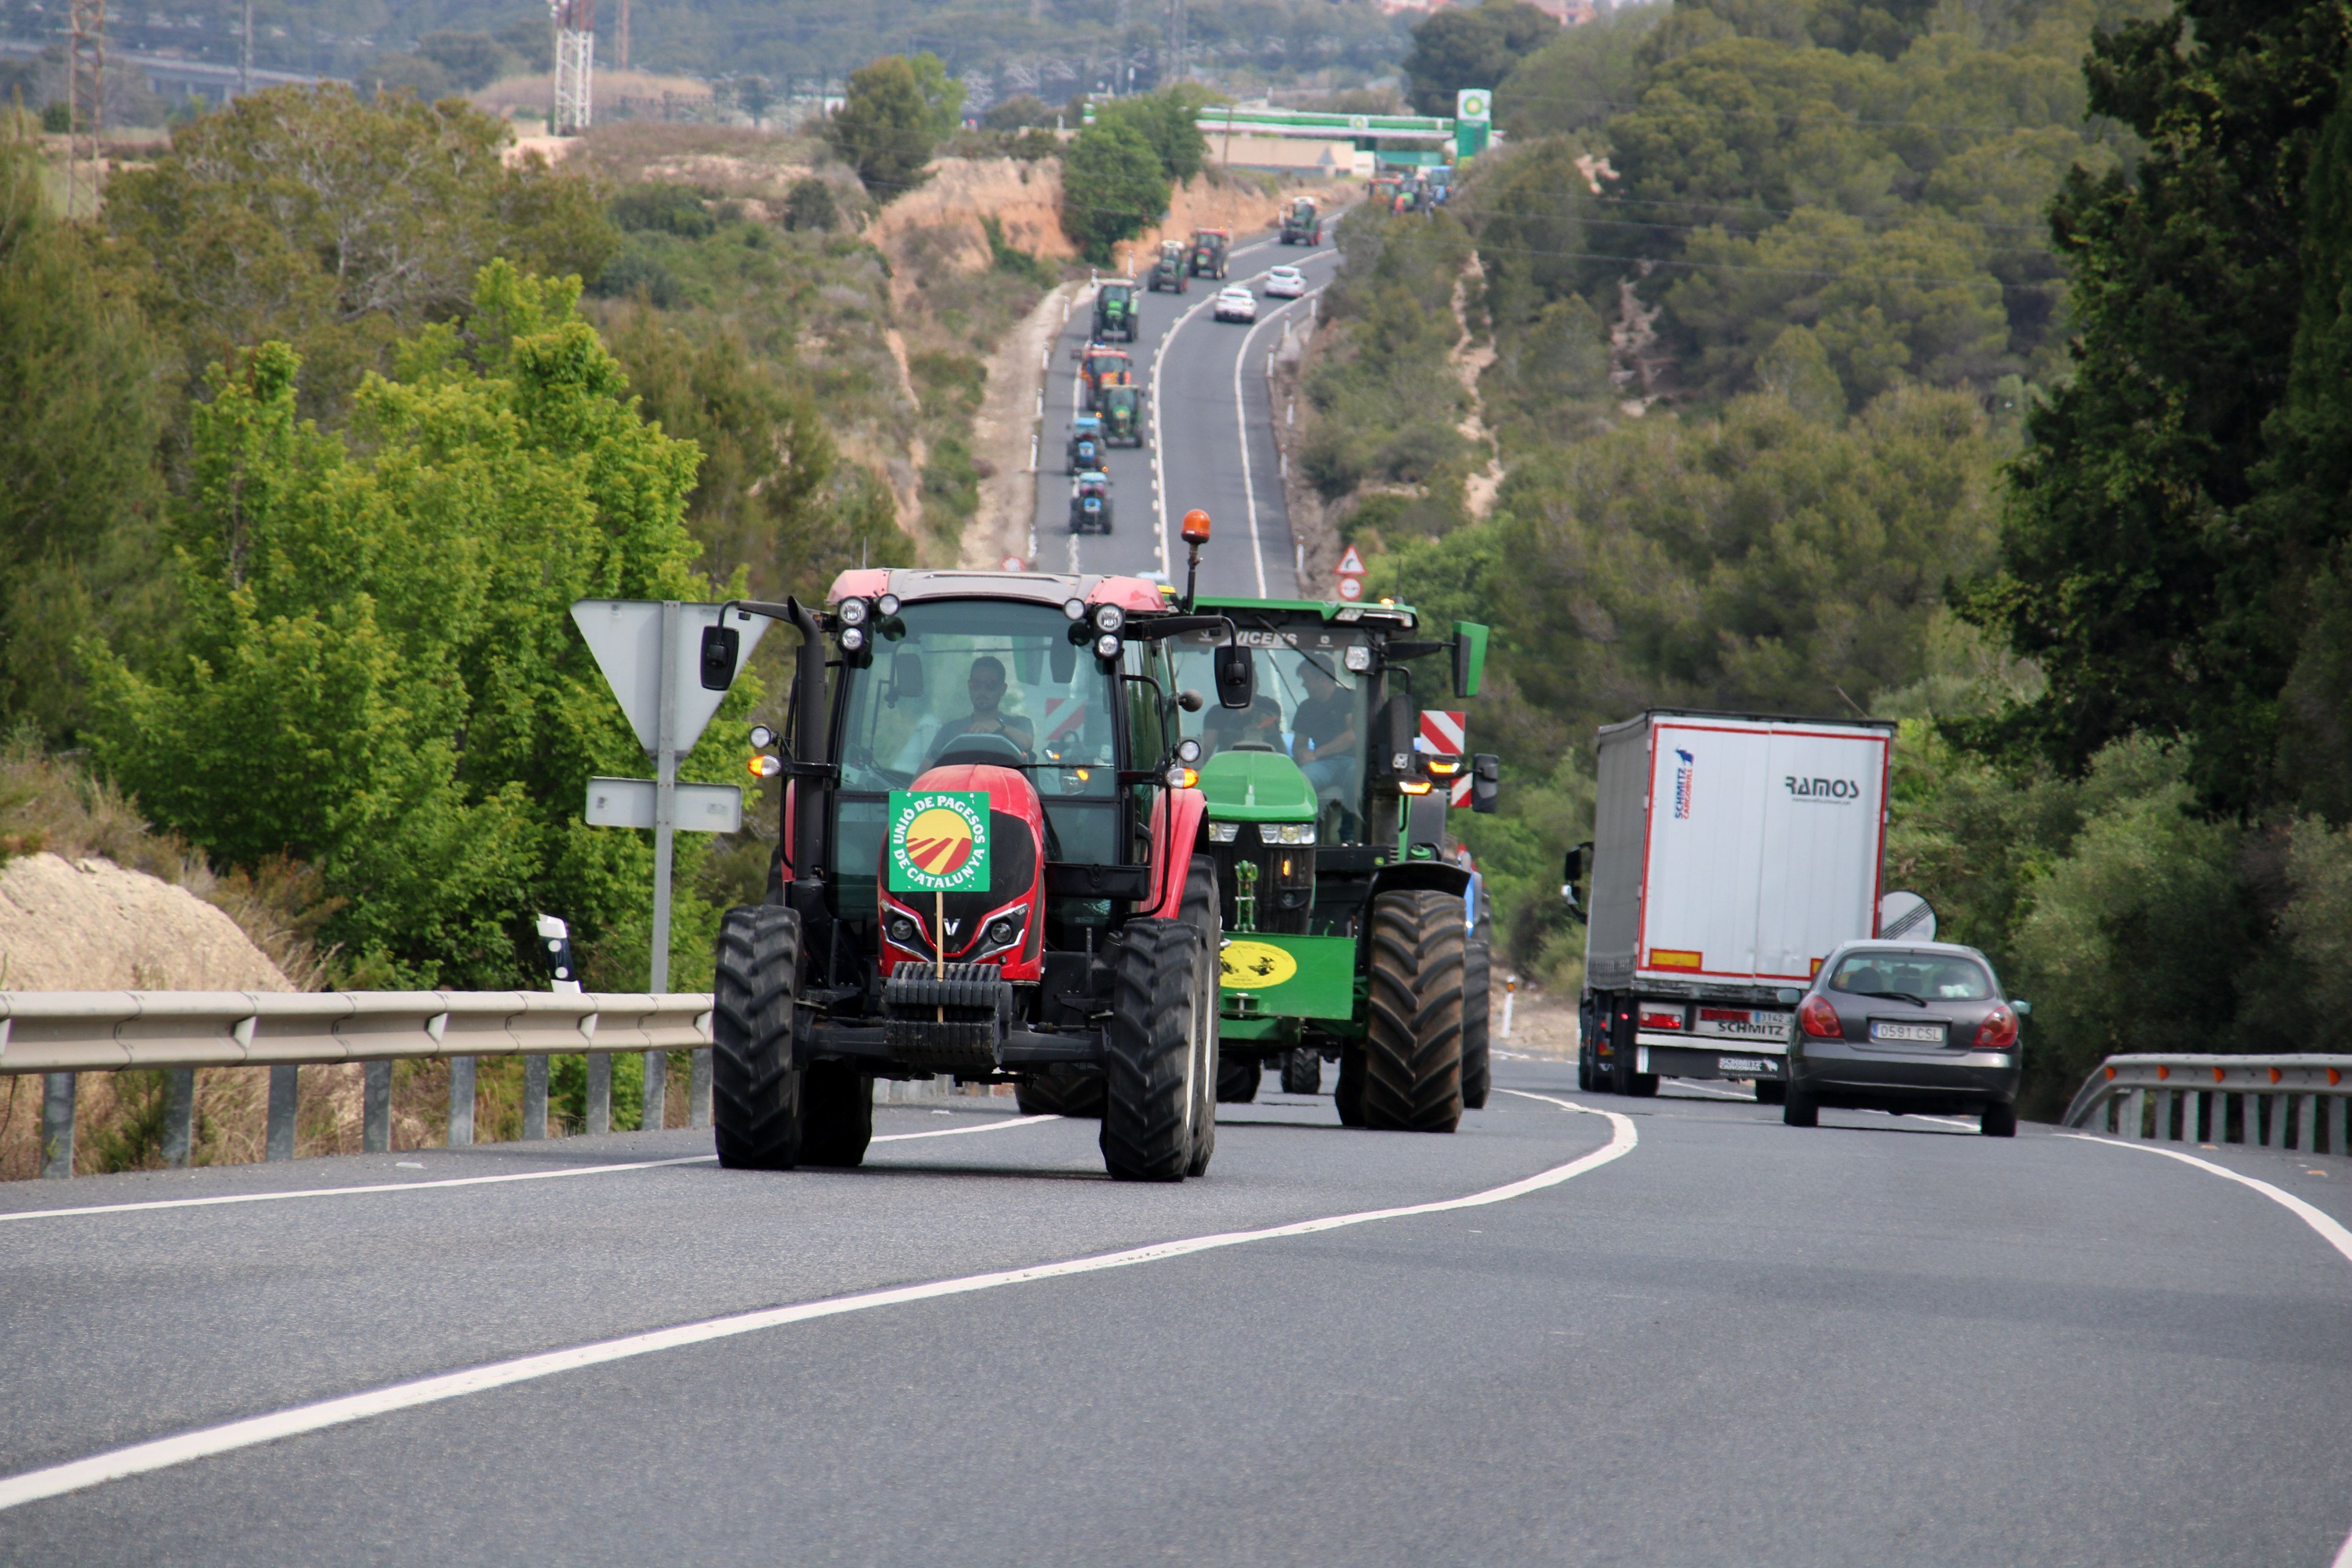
[85,97]
[1174,71]
[575,64]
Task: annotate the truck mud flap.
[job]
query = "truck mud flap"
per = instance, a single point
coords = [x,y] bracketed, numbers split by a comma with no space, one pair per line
[1677,1061]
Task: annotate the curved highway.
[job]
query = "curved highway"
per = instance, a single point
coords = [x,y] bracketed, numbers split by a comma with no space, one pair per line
[1213,443]
[1583,1330]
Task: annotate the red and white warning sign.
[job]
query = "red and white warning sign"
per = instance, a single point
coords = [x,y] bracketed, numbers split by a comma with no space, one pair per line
[1013,563]
[1350,564]
[1460,795]
[1352,589]
[1442,732]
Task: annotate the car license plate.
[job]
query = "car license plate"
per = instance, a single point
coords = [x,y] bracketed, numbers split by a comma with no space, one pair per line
[1741,1023]
[1744,1064]
[1922,1034]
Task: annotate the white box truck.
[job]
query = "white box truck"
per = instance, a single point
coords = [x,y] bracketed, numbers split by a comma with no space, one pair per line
[1731,853]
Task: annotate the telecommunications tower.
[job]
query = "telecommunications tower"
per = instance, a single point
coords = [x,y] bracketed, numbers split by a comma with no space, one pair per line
[576,63]
[84,99]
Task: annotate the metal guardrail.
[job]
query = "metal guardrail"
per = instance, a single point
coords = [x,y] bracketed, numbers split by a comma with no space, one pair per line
[59,1034]
[2300,1102]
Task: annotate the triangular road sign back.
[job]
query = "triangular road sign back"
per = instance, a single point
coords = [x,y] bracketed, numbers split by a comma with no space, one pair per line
[626,637]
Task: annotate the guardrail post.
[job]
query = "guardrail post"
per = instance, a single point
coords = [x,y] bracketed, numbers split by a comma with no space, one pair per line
[279,1142]
[2307,1123]
[461,1102]
[2335,1123]
[657,1090]
[2135,1106]
[534,1097]
[57,1125]
[375,1109]
[179,1116]
[2162,1133]
[2202,1114]
[698,1088]
[600,1093]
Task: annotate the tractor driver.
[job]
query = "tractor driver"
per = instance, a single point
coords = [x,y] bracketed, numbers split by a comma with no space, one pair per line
[987,688]
[1324,725]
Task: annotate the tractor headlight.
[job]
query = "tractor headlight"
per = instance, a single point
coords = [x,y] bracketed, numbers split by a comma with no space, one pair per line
[853,638]
[888,603]
[1223,831]
[1005,931]
[906,932]
[1188,750]
[1286,832]
[1109,617]
[762,737]
[1001,931]
[1106,645]
[852,612]
[1075,609]
[1359,658]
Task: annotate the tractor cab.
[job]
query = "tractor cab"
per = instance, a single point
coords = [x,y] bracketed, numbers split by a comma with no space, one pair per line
[1122,415]
[989,864]
[1090,503]
[1210,251]
[1114,311]
[1096,365]
[1086,448]
[1169,272]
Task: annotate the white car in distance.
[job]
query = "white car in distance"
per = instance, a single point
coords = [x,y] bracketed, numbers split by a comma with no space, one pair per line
[1236,304]
[1286,283]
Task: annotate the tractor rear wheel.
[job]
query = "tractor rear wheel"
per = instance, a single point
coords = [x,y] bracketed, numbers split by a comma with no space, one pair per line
[1152,1058]
[1477,969]
[1412,1038]
[755,1092]
[1204,914]
[1237,1079]
[1302,1070]
[836,1114]
[1348,1097]
[1052,1093]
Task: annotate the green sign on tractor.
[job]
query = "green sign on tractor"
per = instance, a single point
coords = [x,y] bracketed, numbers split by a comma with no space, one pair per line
[939,840]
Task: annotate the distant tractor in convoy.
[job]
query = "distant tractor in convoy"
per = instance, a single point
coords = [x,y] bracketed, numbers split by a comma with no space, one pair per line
[1301,224]
[1090,503]
[1099,367]
[1346,907]
[1114,311]
[1169,272]
[1122,417]
[1036,714]
[1086,444]
[1211,252]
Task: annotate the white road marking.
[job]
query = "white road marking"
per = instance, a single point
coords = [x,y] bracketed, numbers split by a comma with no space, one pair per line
[2329,1230]
[142,1458]
[1241,430]
[463,1181]
[1703,1089]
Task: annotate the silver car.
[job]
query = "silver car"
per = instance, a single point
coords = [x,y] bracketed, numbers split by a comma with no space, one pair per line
[1904,1026]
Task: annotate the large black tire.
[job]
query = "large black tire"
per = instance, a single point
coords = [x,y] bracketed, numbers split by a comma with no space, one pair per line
[836,1114]
[1204,914]
[1302,1070]
[1622,1078]
[1799,1109]
[1586,1078]
[1237,1079]
[1150,1061]
[755,1093]
[2000,1122]
[1348,1097]
[1771,1090]
[1412,1037]
[1477,968]
[1051,1093]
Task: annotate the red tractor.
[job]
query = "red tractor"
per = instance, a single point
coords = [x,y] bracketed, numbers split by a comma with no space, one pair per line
[1085,971]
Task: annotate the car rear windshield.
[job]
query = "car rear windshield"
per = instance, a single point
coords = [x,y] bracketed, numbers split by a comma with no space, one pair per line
[1927,976]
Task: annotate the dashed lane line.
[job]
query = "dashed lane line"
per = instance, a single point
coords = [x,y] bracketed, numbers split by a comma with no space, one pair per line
[226,1198]
[142,1458]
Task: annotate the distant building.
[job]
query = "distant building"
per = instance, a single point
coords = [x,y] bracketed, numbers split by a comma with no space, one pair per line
[1567,13]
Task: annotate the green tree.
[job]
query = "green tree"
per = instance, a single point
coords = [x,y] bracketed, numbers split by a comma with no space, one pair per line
[1576,81]
[885,127]
[1113,185]
[79,492]
[942,94]
[1471,46]
[1169,121]
[378,672]
[336,227]
[471,60]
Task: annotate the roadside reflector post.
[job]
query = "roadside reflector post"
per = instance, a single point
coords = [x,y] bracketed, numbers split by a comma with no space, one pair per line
[57,1125]
[375,1109]
[179,1117]
[461,1102]
[285,1082]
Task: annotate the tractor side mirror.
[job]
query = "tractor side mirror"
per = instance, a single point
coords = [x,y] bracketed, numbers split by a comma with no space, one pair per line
[1486,783]
[1236,677]
[906,677]
[1191,701]
[1469,658]
[720,645]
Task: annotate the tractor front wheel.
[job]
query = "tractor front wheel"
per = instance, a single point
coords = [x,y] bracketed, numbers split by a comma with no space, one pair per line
[1412,1040]
[1152,1058]
[1302,1070]
[755,1092]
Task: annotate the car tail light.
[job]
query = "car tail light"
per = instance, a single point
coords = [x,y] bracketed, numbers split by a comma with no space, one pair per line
[1819,1019]
[1998,1032]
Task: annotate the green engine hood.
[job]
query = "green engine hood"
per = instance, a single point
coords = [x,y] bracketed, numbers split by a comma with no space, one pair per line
[1256,786]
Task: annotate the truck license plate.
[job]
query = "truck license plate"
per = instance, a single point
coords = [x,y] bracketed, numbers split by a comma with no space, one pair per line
[1741,1023]
[1743,1064]
[1925,1034]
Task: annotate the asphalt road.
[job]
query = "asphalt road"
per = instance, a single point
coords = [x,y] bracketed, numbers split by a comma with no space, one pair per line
[1213,430]
[1882,1341]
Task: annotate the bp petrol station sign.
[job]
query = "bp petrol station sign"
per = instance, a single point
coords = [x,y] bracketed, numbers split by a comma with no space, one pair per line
[1473,122]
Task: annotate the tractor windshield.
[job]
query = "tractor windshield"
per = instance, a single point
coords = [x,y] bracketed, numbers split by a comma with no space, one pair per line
[976,680]
[1310,706]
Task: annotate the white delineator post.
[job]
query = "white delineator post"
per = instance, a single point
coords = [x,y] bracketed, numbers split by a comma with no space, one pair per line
[1510,992]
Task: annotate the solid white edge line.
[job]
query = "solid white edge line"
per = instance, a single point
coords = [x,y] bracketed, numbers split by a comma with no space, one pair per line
[1241,430]
[2329,1230]
[164,1453]
[224,1198]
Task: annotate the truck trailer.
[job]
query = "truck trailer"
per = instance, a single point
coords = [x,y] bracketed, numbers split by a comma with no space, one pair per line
[1731,854]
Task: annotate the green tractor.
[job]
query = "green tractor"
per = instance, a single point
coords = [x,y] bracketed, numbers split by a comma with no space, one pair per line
[1302,224]
[1170,271]
[1348,911]
[1114,311]
[1122,415]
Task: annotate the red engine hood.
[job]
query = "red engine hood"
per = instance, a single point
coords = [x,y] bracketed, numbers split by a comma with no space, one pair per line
[1009,792]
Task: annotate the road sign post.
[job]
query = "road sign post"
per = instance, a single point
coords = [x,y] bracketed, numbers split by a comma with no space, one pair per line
[651,655]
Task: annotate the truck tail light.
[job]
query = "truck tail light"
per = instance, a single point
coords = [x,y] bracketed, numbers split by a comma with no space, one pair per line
[1819,1019]
[1998,1032]
[1655,1018]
